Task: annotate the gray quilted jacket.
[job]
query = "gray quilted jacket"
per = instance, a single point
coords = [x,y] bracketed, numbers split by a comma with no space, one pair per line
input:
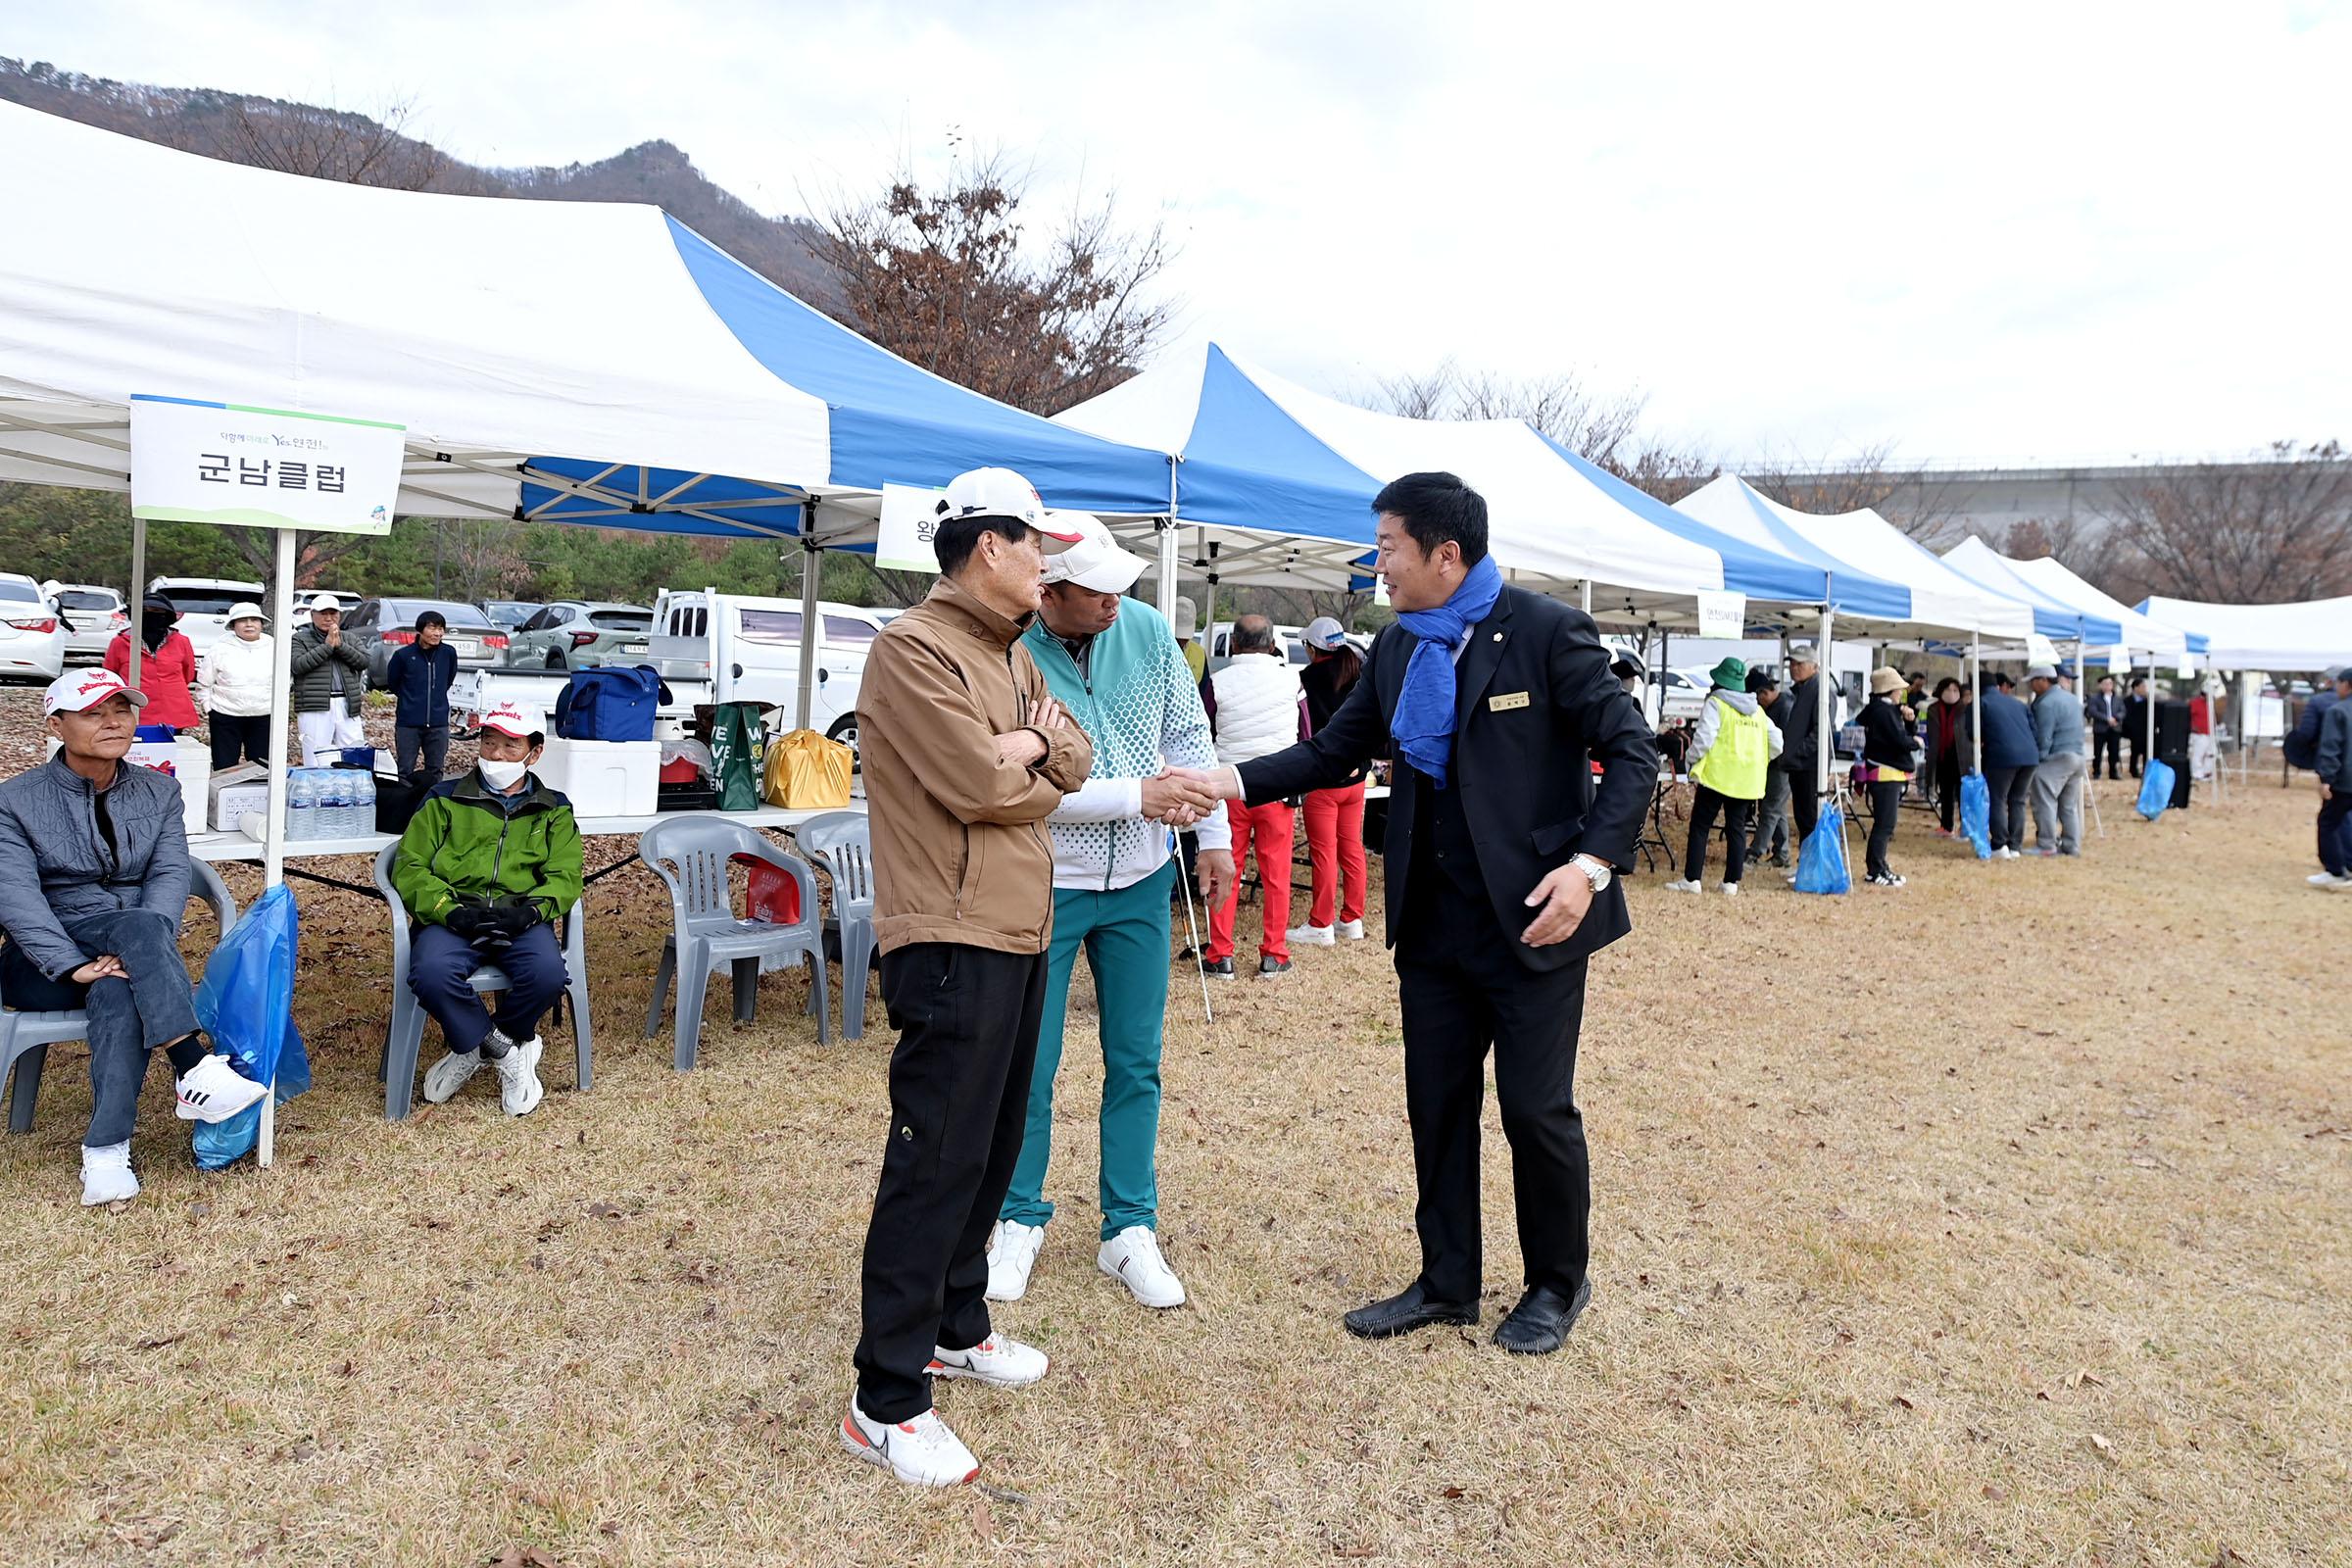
[313,680]
[56,866]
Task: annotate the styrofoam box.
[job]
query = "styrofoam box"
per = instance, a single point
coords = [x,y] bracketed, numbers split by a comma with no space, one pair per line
[604,778]
[194,765]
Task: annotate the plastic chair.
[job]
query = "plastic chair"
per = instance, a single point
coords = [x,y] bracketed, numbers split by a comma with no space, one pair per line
[25,1037]
[844,841]
[705,933]
[404,1036]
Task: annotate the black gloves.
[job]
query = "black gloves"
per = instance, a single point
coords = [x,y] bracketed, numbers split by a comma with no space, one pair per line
[514,919]
[473,923]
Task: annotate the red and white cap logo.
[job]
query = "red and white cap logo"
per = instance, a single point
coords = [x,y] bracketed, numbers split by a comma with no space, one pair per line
[85,689]
[508,719]
[1002,492]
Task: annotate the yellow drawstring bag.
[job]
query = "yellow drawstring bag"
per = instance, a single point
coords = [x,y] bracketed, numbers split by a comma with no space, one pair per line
[806,772]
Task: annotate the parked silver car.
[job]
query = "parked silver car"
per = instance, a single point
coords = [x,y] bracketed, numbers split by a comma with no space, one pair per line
[92,615]
[581,634]
[380,627]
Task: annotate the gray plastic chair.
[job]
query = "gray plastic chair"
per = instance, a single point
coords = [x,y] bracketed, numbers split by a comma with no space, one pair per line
[844,841]
[25,1037]
[705,934]
[404,1035]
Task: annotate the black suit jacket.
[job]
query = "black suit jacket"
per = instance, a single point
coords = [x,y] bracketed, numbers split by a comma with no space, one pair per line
[1534,704]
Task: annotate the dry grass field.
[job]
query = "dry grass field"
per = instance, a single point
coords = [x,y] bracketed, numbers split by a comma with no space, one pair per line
[1998,1219]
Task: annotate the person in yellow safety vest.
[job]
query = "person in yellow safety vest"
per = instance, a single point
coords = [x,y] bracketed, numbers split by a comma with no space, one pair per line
[1730,757]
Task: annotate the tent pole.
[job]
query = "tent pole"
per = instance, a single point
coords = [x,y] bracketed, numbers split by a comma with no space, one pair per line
[810,618]
[274,839]
[138,594]
[1168,553]
[1826,671]
[1976,701]
[1584,587]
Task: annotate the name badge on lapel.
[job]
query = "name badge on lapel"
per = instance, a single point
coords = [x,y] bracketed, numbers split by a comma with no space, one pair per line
[1506,702]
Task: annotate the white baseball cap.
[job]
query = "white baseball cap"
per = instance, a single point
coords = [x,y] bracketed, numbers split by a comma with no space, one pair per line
[1096,561]
[85,689]
[1002,492]
[321,601]
[1187,619]
[1325,633]
[508,718]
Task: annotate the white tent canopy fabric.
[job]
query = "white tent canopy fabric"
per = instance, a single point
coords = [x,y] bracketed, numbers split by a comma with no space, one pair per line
[2140,635]
[1940,598]
[2053,616]
[2287,638]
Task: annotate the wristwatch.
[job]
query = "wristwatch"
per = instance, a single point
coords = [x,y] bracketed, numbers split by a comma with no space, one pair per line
[1601,873]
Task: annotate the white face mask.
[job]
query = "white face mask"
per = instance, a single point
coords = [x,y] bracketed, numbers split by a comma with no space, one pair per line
[502,776]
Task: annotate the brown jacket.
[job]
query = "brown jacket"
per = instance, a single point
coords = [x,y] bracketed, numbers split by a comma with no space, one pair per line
[960,848]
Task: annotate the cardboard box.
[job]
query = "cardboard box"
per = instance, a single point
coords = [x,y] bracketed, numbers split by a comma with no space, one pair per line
[237,791]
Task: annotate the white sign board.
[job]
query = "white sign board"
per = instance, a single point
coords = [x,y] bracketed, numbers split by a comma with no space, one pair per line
[1722,613]
[909,512]
[222,463]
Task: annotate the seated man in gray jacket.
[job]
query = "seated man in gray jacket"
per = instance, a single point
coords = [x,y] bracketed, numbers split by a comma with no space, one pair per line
[93,883]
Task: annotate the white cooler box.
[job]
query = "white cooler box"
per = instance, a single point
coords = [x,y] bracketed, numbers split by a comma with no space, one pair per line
[604,778]
[191,763]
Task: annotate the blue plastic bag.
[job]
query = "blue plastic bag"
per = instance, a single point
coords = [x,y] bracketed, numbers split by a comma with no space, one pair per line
[246,1005]
[2156,789]
[1821,862]
[1976,813]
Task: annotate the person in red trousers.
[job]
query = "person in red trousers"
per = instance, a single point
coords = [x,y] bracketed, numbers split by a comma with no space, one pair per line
[1335,818]
[1254,708]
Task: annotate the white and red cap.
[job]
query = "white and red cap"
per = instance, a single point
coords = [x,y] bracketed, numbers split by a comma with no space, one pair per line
[1094,561]
[1002,492]
[508,719]
[1325,633]
[85,689]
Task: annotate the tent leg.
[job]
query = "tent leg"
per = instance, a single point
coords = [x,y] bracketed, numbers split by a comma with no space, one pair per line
[1827,669]
[274,840]
[137,592]
[1168,553]
[810,618]
[1976,704]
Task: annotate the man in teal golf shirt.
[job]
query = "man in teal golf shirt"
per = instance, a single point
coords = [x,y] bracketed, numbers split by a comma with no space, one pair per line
[1112,663]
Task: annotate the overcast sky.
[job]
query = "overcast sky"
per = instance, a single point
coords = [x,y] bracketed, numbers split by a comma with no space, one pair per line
[2056,231]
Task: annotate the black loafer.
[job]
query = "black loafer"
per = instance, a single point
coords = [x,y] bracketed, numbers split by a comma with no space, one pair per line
[1408,1309]
[1539,1325]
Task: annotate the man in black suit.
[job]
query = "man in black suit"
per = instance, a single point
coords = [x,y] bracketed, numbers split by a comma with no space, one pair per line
[1502,857]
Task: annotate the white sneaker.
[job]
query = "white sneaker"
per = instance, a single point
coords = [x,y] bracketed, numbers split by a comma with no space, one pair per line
[922,1452]
[1351,930]
[1132,1257]
[1731,889]
[1010,1258]
[106,1176]
[443,1078]
[998,1361]
[1312,936]
[2329,881]
[519,1086]
[1886,880]
[1683,885]
[214,1091]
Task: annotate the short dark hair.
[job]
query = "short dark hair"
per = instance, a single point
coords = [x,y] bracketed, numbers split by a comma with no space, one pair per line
[954,539]
[2140,680]
[1435,507]
[2104,679]
[2000,678]
[1762,680]
[1252,634]
[1948,681]
[432,617]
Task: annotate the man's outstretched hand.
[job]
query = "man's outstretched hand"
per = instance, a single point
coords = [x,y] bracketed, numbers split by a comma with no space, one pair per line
[1177,798]
[1219,783]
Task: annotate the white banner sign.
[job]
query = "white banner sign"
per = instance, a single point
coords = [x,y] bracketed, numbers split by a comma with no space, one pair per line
[2039,649]
[909,512]
[221,462]
[1722,613]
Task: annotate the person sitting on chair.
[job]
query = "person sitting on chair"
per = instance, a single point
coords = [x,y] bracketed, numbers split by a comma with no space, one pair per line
[489,867]
[93,884]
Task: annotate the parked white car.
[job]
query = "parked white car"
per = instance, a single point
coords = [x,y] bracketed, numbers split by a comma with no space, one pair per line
[32,640]
[204,604]
[92,614]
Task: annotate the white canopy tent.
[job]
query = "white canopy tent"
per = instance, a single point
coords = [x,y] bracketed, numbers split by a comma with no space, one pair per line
[2289,639]
[2142,634]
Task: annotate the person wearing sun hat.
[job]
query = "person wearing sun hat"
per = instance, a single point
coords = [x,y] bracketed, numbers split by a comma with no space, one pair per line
[1730,757]
[965,753]
[93,885]
[234,681]
[1110,662]
[1887,747]
[488,869]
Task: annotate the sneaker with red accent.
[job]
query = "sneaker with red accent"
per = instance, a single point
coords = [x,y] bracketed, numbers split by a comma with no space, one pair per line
[998,1361]
[922,1452]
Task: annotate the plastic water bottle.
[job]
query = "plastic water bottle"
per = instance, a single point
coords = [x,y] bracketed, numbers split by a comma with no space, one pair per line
[363,790]
[347,802]
[302,806]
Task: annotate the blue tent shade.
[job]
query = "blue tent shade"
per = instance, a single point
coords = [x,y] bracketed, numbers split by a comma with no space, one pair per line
[1249,464]
[1851,592]
[2053,617]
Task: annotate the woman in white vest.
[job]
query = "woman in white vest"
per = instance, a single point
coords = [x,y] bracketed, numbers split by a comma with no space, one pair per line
[1255,708]
[1729,760]
[233,688]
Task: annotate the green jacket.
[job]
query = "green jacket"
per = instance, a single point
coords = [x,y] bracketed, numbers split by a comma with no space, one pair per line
[462,843]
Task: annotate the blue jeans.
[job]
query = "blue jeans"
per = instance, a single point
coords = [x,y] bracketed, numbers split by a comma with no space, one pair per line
[155,1007]
[441,963]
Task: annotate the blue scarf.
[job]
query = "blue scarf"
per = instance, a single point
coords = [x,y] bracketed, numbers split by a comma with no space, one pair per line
[1423,725]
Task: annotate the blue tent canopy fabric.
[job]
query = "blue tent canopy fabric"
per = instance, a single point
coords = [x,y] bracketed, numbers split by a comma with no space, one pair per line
[1852,591]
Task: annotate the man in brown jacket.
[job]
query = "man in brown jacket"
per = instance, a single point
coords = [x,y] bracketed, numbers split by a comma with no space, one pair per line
[964,753]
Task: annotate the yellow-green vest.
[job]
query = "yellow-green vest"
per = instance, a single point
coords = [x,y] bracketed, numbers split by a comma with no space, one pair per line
[1734,766]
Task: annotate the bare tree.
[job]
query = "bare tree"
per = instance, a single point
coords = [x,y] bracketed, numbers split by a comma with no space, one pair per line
[948,279]
[323,142]
[2275,529]
[1603,428]
[2094,551]
[1918,500]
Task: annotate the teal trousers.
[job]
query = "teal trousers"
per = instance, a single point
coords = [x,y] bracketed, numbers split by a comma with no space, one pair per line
[1125,935]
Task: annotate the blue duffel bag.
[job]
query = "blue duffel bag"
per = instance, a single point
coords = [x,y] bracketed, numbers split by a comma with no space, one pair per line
[609,702]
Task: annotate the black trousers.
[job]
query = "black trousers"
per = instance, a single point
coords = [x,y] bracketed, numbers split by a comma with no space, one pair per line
[1463,989]
[1947,786]
[968,1021]
[2005,810]
[236,738]
[1804,803]
[2139,751]
[1704,804]
[1885,803]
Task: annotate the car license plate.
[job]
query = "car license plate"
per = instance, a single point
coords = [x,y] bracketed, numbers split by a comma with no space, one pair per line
[466,650]
[632,648]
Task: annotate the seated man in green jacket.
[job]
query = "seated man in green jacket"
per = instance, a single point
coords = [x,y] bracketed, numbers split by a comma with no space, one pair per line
[489,866]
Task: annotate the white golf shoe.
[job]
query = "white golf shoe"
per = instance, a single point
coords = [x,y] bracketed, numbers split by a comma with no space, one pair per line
[1010,1258]
[1684,885]
[443,1078]
[998,1361]
[518,1088]
[106,1176]
[1351,930]
[1312,936]
[1731,889]
[1132,1257]
[922,1452]
[214,1091]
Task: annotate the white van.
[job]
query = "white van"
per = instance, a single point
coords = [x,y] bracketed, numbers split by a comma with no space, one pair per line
[203,604]
[749,650]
